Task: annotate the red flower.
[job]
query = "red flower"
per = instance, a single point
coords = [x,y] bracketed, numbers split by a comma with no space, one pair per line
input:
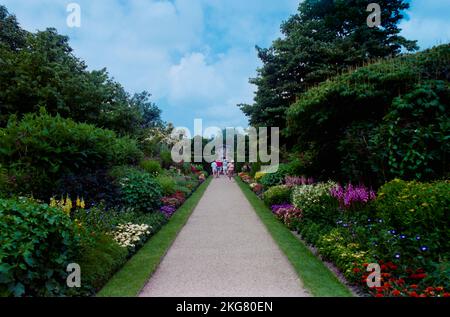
[413,286]
[419,276]
[446,295]
[379,295]
[429,289]
[384,267]
[356,270]
[439,289]
[366,264]
[413,294]
[396,292]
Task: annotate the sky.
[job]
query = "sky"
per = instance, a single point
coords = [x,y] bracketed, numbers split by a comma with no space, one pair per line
[194,56]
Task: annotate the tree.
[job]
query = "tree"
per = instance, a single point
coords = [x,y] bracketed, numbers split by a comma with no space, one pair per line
[11,35]
[325,38]
[39,70]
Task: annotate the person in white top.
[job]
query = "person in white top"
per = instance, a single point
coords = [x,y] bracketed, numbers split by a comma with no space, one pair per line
[225,167]
[214,168]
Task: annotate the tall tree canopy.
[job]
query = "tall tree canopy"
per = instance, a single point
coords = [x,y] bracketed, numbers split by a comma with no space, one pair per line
[323,39]
[40,70]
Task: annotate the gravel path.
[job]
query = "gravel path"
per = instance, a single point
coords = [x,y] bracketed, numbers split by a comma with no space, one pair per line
[224,251]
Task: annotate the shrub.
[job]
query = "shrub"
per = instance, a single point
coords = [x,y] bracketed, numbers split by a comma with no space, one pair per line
[288,214]
[152,167]
[420,212]
[274,179]
[338,247]
[40,148]
[166,159]
[94,187]
[316,202]
[38,242]
[277,195]
[99,260]
[422,206]
[167,184]
[141,191]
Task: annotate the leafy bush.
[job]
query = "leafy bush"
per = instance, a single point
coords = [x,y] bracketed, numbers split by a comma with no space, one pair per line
[141,191]
[274,179]
[316,202]
[415,205]
[338,247]
[166,159]
[404,101]
[418,211]
[277,195]
[151,167]
[288,214]
[94,187]
[38,242]
[99,260]
[40,148]
[167,184]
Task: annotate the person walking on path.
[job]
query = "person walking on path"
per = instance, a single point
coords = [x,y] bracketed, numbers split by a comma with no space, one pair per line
[230,170]
[219,168]
[225,167]
[214,168]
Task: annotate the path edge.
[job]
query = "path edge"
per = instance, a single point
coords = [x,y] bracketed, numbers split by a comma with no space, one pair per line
[325,284]
[135,274]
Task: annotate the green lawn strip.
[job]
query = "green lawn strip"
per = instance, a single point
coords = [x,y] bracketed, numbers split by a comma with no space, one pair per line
[316,277]
[130,280]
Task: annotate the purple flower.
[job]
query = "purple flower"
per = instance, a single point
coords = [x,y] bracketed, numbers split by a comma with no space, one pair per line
[352,196]
[402,236]
[417,238]
[397,255]
[424,248]
[168,211]
[296,181]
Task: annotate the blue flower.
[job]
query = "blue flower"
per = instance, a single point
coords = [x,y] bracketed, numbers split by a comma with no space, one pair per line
[380,220]
[402,236]
[424,248]
[392,232]
[417,238]
[369,220]
[397,255]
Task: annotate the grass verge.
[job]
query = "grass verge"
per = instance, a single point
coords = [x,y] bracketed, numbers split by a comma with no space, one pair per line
[130,280]
[316,277]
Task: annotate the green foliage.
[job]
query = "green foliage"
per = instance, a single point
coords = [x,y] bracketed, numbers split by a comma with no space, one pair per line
[141,191]
[151,167]
[167,184]
[166,159]
[37,244]
[273,179]
[350,121]
[323,39]
[316,203]
[338,247]
[421,208]
[277,195]
[39,149]
[45,73]
[99,260]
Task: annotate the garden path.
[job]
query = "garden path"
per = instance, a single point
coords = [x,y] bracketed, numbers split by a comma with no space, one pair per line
[224,251]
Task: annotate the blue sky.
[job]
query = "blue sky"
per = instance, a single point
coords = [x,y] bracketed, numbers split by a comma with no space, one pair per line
[194,56]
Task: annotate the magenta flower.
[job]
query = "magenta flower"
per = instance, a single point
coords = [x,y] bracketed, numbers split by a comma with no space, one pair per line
[352,196]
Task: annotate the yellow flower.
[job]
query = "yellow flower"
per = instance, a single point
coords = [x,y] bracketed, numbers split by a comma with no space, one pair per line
[82,204]
[78,202]
[53,202]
